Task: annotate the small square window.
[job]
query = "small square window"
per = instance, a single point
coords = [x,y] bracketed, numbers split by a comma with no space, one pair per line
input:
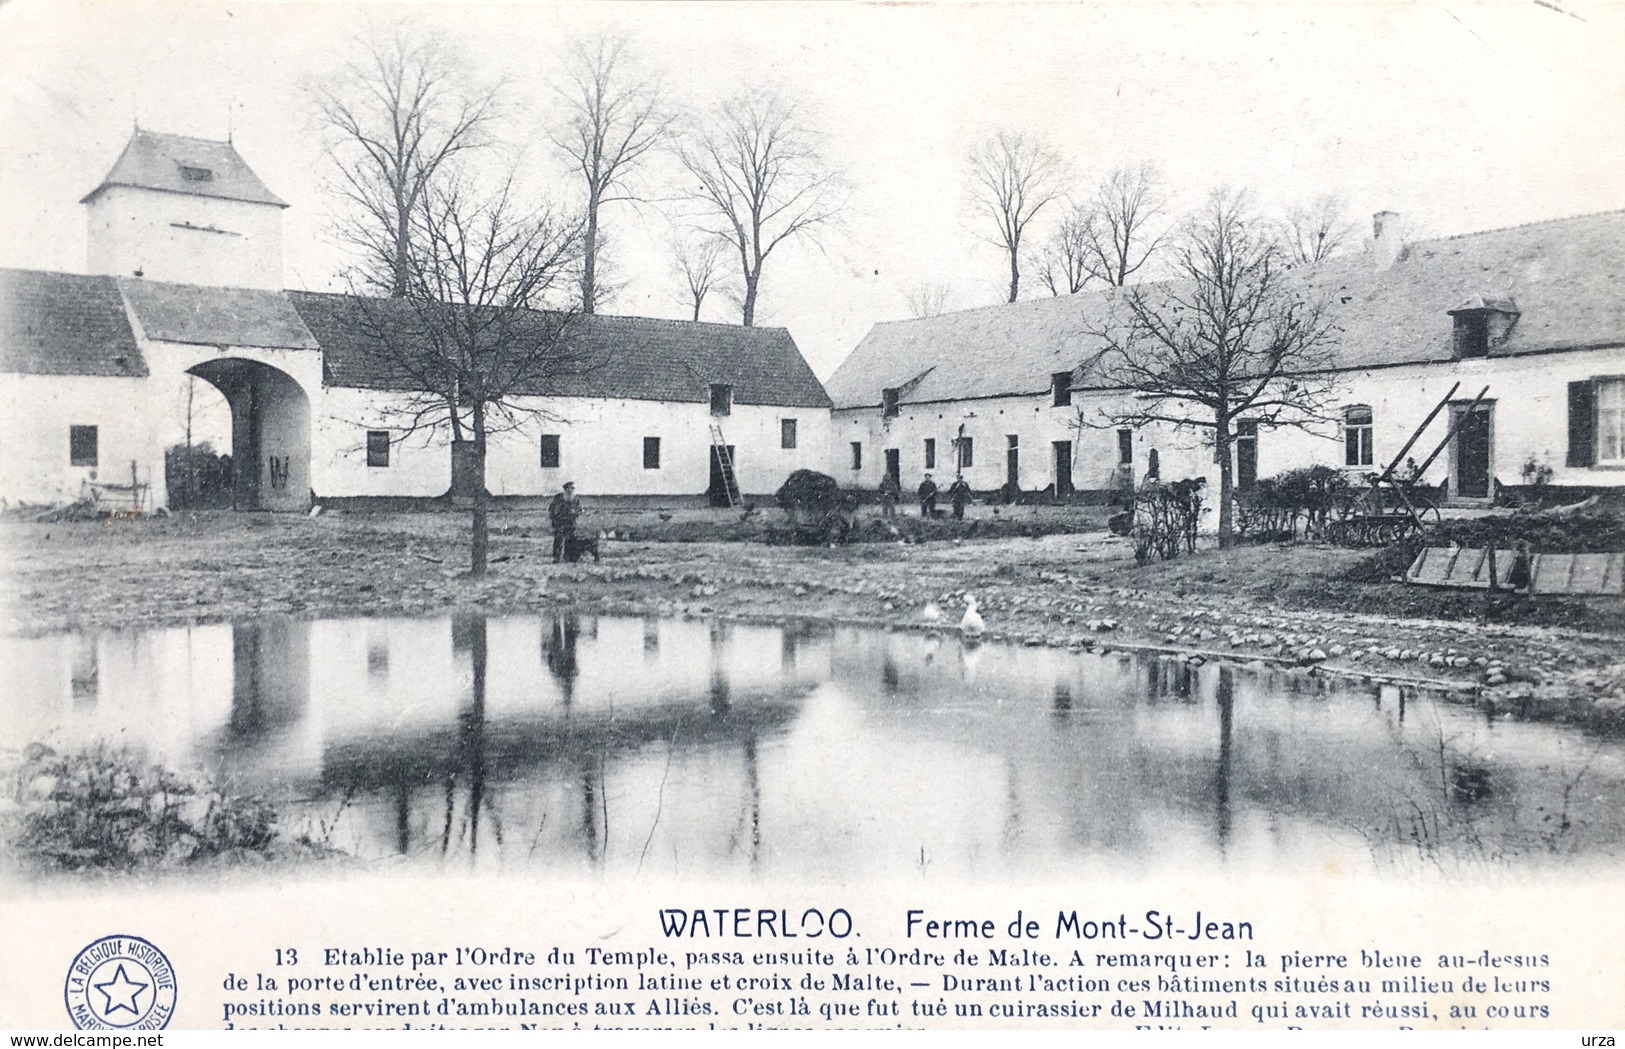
[192,174]
[1061,387]
[787,433]
[1472,334]
[967,456]
[722,398]
[651,453]
[857,455]
[377,447]
[82,445]
[550,451]
[888,403]
[1357,450]
[930,453]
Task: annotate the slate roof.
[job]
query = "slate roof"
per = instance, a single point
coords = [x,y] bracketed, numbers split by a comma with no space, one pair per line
[152,160]
[217,316]
[65,324]
[621,357]
[1566,278]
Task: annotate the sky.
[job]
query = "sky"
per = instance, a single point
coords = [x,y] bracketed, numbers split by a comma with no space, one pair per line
[1461,116]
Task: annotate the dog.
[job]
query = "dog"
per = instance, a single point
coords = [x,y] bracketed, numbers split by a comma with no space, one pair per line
[578,546]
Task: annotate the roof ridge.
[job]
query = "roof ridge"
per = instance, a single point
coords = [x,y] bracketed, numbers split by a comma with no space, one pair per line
[675,322]
[1521,225]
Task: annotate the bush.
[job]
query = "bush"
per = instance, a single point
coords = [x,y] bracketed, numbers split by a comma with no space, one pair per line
[1166,517]
[1273,508]
[104,808]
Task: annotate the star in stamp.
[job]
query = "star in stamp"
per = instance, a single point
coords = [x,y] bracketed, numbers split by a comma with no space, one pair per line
[120,983]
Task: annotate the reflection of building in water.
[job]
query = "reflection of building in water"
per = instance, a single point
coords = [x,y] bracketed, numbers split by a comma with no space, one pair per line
[548,740]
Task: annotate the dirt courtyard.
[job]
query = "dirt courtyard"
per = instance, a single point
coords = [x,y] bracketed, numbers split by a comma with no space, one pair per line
[1297,603]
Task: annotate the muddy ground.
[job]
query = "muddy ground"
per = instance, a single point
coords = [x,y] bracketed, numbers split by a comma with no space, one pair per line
[1327,607]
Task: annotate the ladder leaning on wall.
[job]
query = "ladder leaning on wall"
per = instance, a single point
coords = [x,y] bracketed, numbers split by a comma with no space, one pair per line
[725,465]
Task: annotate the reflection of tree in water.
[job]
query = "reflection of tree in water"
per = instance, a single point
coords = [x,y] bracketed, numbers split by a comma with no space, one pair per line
[1225,696]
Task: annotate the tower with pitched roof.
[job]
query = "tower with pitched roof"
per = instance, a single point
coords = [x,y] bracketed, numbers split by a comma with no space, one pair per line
[187,210]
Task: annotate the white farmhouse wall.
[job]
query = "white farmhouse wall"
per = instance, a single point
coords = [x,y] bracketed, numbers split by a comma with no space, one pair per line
[36,415]
[186,239]
[1529,395]
[600,448]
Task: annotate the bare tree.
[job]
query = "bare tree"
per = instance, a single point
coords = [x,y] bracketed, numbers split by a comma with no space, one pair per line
[1317,231]
[928,299]
[1119,224]
[698,263]
[1063,265]
[471,344]
[396,118]
[1231,338]
[760,180]
[614,119]
[1012,178]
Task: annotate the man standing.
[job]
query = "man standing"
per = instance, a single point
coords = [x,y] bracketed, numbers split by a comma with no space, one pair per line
[562,512]
[928,497]
[959,495]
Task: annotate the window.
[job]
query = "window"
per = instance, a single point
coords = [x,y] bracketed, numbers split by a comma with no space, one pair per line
[1472,334]
[651,453]
[857,455]
[888,403]
[82,445]
[722,398]
[966,454]
[1125,447]
[930,453]
[1610,397]
[1597,422]
[1061,387]
[377,447]
[1357,435]
[192,174]
[550,451]
[787,433]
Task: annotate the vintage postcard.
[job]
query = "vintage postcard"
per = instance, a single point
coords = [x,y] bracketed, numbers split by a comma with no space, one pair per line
[753,516]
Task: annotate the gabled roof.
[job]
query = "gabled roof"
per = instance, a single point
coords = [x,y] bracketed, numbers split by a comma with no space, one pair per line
[1564,279]
[65,324]
[622,357]
[216,316]
[198,167]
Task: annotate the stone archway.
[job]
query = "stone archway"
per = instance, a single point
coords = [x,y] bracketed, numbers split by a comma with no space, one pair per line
[270,433]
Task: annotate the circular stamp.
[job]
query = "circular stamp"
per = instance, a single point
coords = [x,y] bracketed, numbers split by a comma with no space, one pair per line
[120,983]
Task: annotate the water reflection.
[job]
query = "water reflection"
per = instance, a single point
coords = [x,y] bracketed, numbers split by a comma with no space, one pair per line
[674,747]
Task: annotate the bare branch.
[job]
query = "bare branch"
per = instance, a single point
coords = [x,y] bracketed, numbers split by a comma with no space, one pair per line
[614,118]
[1012,178]
[1314,232]
[397,117]
[928,300]
[759,180]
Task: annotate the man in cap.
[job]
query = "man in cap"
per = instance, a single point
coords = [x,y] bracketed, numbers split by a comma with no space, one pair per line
[562,512]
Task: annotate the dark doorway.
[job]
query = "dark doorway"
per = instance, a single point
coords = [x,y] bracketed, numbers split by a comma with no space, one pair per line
[1012,462]
[723,476]
[1246,454]
[894,467]
[1063,468]
[1472,452]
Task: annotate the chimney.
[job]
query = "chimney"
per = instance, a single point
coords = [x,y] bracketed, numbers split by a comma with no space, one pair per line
[1386,240]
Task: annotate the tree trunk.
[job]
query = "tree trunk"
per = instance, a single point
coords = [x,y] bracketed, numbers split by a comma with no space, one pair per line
[748,313]
[1222,443]
[1015,271]
[403,247]
[479,542]
[589,259]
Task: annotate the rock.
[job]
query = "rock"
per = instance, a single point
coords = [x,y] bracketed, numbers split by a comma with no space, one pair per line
[1317,655]
[1338,650]
[1394,654]
[1267,640]
[801,591]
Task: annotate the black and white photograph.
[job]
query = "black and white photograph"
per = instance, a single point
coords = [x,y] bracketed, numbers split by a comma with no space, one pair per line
[795,515]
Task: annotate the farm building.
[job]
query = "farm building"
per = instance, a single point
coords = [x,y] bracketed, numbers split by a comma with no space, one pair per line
[98,372]
[1533,316]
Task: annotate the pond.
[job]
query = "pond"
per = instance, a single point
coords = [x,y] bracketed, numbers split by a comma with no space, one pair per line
[673,748]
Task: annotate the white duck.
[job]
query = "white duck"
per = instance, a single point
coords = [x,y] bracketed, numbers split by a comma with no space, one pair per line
[971,625]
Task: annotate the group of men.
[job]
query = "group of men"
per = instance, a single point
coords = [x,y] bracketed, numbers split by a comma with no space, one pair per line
[958,496]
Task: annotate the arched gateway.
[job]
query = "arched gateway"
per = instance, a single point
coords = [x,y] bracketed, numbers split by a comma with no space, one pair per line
[270,433]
